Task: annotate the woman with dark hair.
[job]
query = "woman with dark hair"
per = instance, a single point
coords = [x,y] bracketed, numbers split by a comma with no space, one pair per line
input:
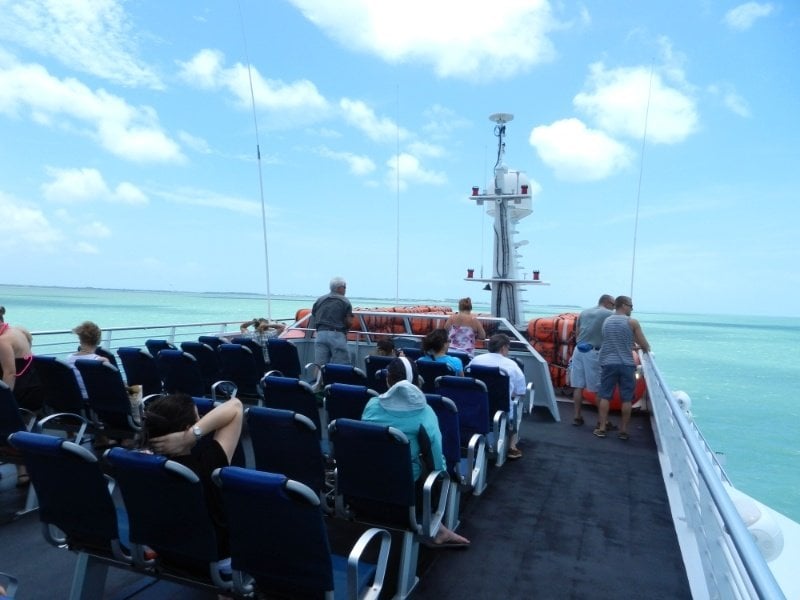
[404,407]
[171,427]
[435,346]
[463,328]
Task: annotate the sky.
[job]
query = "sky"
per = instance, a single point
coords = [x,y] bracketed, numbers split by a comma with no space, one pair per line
[660,140]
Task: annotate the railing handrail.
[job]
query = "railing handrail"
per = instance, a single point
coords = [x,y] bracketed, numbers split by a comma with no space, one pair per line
[711,475]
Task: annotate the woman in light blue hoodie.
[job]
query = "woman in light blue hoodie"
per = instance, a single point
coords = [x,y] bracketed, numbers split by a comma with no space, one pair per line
[404,407]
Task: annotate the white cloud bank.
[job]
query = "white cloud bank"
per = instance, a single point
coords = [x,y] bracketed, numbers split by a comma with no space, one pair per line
[742,17]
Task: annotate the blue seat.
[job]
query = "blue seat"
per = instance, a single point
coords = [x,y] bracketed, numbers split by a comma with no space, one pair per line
[283,357]
[467,466]
[108,399]
[260,355]
[76,508]
[207,361]
[109,356]
[212,340]
[411,352]
[140,369]
[278,536]
[429,370]
[375,484]
[287,442]
[238,364]
[497,383]
[156,346]
[460,355]
[167,511]
[288,393]
[180,372]
[346,401]
[373,364]
[61,390]
[336,373]
[472,400]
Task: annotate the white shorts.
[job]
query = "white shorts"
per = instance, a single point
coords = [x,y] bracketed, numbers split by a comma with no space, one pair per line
[584,370]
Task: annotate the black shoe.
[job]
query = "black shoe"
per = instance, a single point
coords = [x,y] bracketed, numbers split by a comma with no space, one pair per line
[610,426]
[577,421]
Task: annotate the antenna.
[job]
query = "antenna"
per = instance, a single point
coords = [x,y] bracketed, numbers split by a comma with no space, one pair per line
[639,187]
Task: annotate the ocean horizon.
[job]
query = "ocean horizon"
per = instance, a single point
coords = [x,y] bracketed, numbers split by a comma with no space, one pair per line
[740,371]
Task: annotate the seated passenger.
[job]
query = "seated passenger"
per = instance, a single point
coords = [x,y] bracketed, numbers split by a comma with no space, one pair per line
[171,427]
[463,328]
[88,339]
[384,347]
[404,407]
[435,346]
[263,329]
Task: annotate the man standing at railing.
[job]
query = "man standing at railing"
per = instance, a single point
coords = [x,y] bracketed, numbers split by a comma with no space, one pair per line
[617,367]
[331,316]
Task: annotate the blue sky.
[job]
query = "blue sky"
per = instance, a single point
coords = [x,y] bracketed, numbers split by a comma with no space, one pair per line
[128,146]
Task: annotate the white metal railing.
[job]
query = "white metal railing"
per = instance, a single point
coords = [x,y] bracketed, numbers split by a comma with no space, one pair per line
[712,535]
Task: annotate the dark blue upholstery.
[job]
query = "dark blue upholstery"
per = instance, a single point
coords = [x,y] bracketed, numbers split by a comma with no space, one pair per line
[429,371]
[283,357]
[180,372]
[497,385]
[61,390]
[373,364]
[156,346]
[288,393]
[447,415]
[460,355]
[472,400]
[207,360]
[140,369]
[346,401]
[73,494]
[238,364]
[335,373]
[258,352]
[411,353]
[109,356]
[278,536]
[167,511]
[10,583]
[108,398]
[286,442]
[211,340]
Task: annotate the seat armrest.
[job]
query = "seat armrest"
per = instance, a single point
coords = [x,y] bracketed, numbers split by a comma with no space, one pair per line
[476,462]
[354,559]
[432,515]
[225,388]
[500,430]
[81,422]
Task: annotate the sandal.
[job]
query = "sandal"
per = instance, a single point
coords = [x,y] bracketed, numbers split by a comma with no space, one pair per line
[577,421]
[601,433]
[514,453]
[623,435]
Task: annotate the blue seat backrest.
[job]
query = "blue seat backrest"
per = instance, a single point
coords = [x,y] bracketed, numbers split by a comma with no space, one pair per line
[10,419]
[460,355]
[283,357]
[109,356]
[277,532]
[207,361]
[61,390]
[289,393]
[180,372]
[72,490]
[140,369]
[412,353]
[472,400]
[373,464]
[373,364]
[156,346]
[256,349]
[237,364]
[497,384]
[336,373]
[447,415]
[430,370]
[346,401]
[108,396]
[211,340]
[166,506]
[286,442]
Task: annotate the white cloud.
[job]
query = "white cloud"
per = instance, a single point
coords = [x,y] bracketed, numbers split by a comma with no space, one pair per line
[207,70]
[358,164]
[95,229]
[84,247]
[131,133]
[208,199]
[442,122]
[363,118]
[616,100]
[577,153]
[730,99]
[479,41]
[426,149]
[197,144]
[70,186]
[411,172]
[91,36]
[743,16]
[25,227]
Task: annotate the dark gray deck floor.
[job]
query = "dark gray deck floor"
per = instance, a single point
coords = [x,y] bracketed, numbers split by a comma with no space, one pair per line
[576,517]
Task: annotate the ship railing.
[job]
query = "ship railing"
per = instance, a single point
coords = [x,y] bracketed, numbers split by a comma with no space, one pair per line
[721,557]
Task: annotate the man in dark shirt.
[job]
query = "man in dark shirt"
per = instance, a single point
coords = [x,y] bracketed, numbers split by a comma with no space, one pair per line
[331,316]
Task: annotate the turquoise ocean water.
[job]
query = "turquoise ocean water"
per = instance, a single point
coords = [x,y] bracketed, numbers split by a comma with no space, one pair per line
[742,372]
